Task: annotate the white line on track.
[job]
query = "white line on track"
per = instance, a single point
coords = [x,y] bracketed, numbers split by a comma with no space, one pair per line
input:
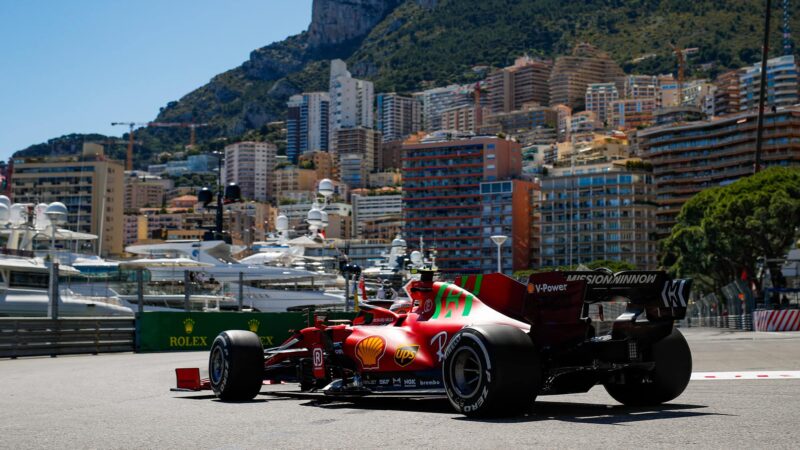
[758,375]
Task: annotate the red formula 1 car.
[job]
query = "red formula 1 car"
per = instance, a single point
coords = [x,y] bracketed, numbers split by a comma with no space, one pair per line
[490,343]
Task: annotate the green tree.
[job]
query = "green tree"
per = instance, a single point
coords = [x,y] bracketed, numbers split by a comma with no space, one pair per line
[723,231]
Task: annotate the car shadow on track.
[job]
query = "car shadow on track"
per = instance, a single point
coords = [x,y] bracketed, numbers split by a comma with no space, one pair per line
[542,410]
[593,413]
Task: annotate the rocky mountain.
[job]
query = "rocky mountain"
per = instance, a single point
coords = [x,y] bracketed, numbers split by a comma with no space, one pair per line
[405,45]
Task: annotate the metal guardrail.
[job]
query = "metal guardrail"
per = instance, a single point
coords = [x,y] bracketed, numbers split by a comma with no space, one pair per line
[53,337]
[743,322]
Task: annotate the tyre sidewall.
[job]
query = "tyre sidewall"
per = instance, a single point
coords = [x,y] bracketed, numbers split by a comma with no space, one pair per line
[242,365]
[473,403]
[222,343]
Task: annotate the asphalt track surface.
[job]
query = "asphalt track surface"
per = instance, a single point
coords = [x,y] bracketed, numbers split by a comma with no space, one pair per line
[123,401]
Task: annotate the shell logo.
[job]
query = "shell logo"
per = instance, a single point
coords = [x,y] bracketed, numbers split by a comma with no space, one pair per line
[369,351]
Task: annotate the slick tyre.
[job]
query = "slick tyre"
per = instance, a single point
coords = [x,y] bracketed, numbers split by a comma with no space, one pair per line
[491,370]
[236,365]
[673,369]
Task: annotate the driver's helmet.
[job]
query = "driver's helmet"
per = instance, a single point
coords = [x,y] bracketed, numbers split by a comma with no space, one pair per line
[402,306]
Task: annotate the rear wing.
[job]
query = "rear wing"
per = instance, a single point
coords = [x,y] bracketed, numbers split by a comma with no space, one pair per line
[639,287]
[654,291]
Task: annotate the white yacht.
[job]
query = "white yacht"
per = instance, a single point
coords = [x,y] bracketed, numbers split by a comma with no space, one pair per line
[266,288]
[24,277]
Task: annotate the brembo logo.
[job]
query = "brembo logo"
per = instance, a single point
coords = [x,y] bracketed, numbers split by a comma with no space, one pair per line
[545,288]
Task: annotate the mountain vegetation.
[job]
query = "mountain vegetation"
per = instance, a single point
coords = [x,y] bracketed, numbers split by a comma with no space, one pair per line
[414,44]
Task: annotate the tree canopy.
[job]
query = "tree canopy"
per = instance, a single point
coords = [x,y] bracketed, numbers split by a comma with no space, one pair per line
[722,232]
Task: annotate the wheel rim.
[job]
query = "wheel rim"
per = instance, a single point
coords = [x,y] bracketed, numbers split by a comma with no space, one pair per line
[466,372]
[217,364]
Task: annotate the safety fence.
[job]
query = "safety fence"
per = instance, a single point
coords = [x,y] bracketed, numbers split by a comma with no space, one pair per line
[742,322]
[53,337]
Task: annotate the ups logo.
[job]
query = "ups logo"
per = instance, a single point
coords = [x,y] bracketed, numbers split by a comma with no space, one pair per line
[403,356]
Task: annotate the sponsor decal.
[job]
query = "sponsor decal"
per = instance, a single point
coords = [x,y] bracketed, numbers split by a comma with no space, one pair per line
[253,324]
[396,381]
[430,383]
[337,348]
[456,302]
[188,341]
[591,278]
[382,320]
[409,382]
[548,288]
[370,350]
[317,357]
[427,306]
[439,342]
[405,355]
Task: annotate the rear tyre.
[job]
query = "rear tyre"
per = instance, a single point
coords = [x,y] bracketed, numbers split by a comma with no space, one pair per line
[491,370]
[666,382]
[236,365]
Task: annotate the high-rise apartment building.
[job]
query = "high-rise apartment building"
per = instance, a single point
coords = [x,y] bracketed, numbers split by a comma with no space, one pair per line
[534,123]
[688,158]
[726,96]
[397,117]
[782,84]
[436,101]
[250,165]
[444,188]
[292,183]
[598,212]
[307,124]
[524,82]
[461,118]
[572,74]
[369,210]
[638,86]
[351,99]
[358,150]
[598,97]
[668,95]
[631,113]
[142,191]
[91,186]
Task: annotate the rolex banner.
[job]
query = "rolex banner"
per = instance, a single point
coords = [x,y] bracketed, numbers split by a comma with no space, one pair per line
[180,331]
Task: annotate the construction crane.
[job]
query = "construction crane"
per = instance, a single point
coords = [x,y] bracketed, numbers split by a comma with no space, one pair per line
[132,125]
[190,125]
[681,70]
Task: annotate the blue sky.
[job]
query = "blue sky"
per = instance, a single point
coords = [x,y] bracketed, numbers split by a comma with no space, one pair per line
[77,65]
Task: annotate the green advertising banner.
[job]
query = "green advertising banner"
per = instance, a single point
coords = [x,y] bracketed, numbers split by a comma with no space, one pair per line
[193,331]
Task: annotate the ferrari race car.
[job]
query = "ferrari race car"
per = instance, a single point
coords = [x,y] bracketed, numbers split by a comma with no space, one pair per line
[490,343]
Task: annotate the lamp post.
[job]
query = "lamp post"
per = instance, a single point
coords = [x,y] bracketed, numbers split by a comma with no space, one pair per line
[499,240]
[220,156]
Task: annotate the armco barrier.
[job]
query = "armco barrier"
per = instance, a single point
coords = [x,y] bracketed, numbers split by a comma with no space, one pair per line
[180,331]
[53,337]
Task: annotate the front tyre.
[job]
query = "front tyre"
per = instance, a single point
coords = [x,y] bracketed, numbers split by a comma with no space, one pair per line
[491,370]
[236,365]
[668,380]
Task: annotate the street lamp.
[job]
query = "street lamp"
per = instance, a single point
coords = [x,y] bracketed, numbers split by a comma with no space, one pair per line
[499,240]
